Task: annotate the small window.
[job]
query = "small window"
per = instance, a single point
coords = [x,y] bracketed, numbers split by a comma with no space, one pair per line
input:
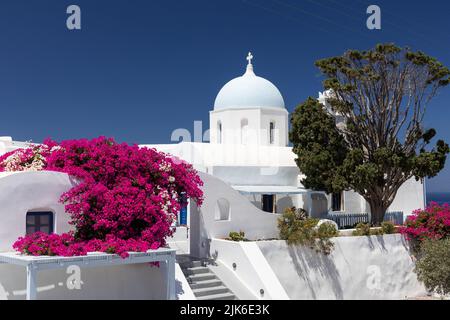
[336,201]
[268,203]
[219,132]
[272,133]
[39,221]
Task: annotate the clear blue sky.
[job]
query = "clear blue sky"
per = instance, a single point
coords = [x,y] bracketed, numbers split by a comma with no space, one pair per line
[140,69]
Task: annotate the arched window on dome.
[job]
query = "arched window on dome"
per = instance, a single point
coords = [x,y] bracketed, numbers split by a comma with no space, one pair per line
[244,131]
[219,132]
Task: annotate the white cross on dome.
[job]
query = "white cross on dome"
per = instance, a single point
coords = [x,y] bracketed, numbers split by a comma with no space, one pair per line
[249,58]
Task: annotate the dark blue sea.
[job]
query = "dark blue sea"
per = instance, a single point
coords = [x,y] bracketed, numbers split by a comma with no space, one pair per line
[439,197]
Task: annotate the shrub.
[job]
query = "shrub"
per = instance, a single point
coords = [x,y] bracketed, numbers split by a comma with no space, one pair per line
[296,229]
[325,232]
[388,227]
[237,236]
[433,223]
[364,229]
[433,266]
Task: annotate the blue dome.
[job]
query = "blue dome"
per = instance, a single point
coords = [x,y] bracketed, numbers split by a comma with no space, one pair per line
[249,91]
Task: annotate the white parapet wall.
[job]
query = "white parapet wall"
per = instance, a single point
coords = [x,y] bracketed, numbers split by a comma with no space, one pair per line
[225,210]
[249,275]
[136,282]
[140,281]
[375,267]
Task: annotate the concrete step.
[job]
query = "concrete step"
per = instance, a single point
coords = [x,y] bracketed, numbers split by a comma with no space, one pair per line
[206,284]
[196,270]
[220,296]
[191,264]
[210,291]
[194,278]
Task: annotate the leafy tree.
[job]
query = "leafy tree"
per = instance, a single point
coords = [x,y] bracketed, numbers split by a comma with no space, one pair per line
[380,97]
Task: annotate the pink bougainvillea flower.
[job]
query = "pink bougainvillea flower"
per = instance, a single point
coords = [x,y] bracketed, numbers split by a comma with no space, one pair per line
[126,200]
[429,224]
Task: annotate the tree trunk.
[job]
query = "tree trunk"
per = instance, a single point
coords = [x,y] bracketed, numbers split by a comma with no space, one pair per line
[377,212]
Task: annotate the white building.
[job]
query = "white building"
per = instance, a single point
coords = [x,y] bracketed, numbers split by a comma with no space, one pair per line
[249,174]
[249,150]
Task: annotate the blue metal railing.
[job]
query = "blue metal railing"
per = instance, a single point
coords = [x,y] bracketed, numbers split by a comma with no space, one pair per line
[350,220]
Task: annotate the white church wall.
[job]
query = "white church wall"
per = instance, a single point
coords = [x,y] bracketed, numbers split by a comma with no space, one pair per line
[353,202]
[211,154]
[410,197]
[256,175]
[239,126]
[376,267]
[280,118]
[249,126]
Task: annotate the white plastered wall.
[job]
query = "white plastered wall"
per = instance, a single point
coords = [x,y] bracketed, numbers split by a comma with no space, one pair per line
[409,197]
[243,216]
[258,126]
[376,267]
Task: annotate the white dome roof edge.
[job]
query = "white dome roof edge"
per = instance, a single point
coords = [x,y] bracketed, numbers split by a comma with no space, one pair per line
[249,107]
[249,91]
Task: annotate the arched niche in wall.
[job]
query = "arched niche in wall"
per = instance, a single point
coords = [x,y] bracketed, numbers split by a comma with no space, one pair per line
[219,132]
[244,131]
[222,210]
[272,132]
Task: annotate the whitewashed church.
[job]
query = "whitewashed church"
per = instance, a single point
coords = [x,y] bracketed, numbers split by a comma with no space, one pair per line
[250,176]
[249,151]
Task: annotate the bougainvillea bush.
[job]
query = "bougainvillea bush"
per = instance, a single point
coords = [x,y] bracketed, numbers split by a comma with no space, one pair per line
[25,159]
[126,198]
[433,223]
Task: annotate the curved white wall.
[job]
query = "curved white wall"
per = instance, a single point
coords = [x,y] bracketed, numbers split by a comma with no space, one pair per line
[21,192]
[244,216]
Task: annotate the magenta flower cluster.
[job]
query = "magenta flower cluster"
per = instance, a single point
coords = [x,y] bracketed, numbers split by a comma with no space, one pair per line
[126,198]
[433,223]
[25,159]
[38,244]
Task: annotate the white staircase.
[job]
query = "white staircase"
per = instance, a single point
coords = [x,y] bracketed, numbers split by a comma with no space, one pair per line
[203,282]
